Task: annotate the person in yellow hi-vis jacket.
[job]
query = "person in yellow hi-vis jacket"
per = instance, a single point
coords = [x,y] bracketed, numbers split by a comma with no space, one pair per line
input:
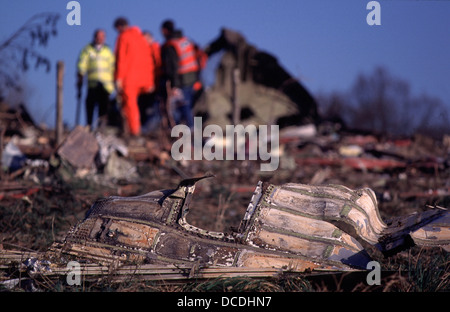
[97,62]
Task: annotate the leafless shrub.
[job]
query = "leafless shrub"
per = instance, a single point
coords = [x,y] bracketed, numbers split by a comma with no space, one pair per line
[384,104]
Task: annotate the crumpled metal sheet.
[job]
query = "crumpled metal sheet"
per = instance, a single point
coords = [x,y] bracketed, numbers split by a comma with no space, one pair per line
[435,233]
[291,226]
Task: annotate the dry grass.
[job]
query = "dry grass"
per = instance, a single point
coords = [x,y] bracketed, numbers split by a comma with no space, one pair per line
[36,221]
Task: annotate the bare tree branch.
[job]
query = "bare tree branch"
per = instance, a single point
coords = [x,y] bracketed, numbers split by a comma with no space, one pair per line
[19,52]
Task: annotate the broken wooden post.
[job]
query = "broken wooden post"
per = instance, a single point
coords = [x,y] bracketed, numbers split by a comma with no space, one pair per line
[235,83]
[2,134]
[59,101]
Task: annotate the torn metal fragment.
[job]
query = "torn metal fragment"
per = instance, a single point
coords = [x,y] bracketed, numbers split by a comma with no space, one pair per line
[292,226]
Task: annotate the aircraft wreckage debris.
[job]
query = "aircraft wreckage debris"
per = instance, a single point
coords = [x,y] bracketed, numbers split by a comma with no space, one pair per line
[290,227]
[287,227]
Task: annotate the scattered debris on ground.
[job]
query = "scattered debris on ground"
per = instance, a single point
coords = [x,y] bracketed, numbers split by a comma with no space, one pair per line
[46,189]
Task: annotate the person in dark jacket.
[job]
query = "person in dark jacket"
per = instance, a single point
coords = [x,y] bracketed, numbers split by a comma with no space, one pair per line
[179,72]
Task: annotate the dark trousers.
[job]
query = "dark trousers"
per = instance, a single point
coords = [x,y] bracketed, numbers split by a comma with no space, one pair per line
[146,103]
[96,96]
[184,112]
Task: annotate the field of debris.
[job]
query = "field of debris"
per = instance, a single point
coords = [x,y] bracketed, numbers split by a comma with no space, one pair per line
[45,190]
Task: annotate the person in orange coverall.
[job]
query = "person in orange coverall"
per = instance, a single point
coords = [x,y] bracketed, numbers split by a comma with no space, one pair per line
[134,71]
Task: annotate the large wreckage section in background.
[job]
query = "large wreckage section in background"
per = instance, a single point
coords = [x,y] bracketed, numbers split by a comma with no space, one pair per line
[251,87]
[292,226]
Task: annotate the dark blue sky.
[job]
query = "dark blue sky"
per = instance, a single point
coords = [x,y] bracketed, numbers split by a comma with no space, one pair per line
[324,43]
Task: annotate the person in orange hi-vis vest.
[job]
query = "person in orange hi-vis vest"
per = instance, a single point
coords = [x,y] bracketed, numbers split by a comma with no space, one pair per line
[180,70]
[134,71]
